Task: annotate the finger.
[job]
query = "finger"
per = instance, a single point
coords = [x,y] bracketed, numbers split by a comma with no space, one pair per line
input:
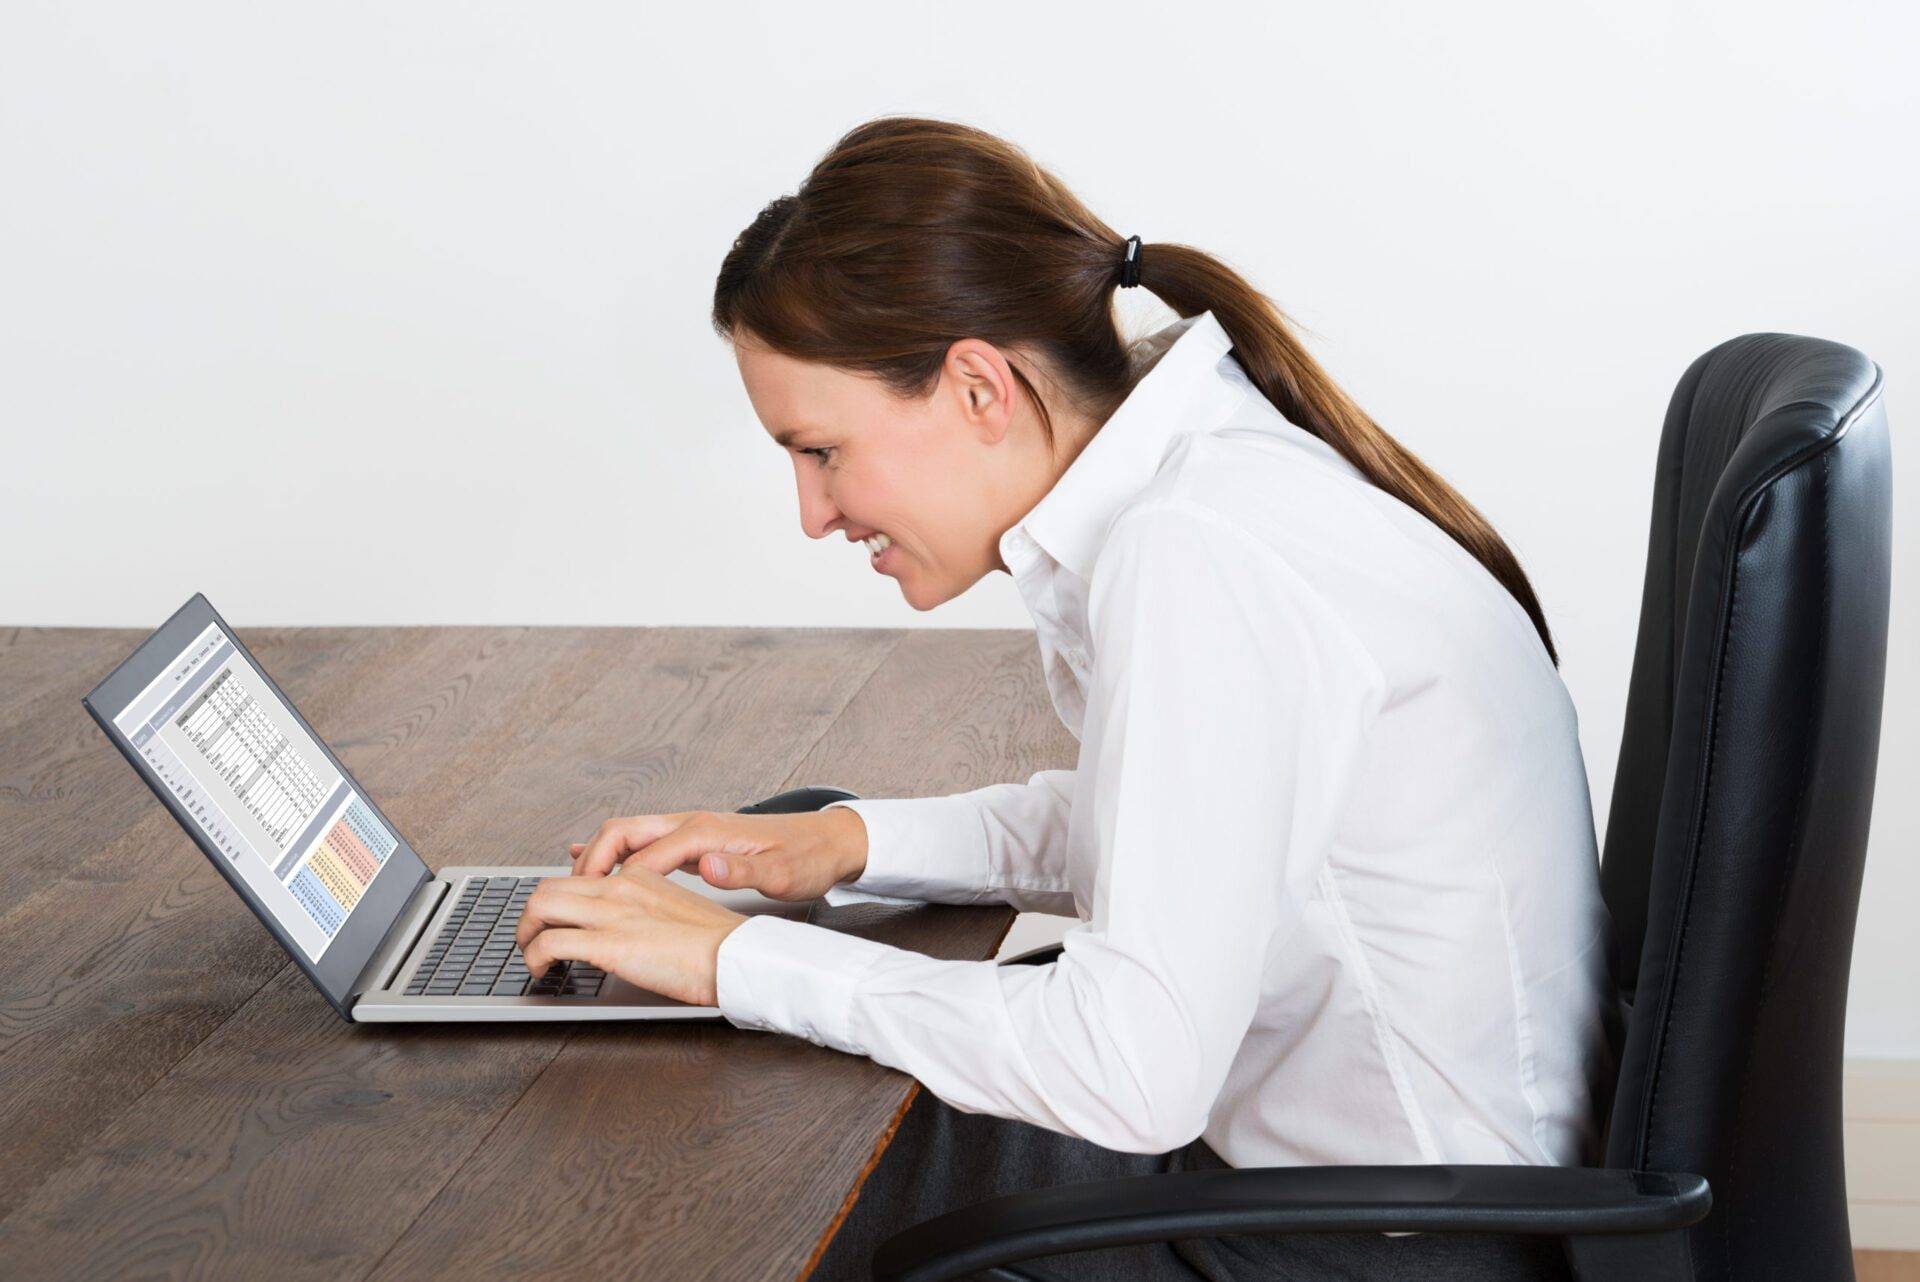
[680,848]
[560,902]
[564,943]
[619,838]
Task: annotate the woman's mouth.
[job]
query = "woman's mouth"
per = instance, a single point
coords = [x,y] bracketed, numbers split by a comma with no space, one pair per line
[879,550]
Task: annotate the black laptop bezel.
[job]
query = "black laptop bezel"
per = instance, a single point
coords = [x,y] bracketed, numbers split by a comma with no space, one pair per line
[404,872]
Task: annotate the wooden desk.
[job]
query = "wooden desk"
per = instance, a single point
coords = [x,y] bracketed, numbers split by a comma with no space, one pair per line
[175,1099]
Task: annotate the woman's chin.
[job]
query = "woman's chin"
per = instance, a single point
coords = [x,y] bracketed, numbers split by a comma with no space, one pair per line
[913,591]
[923,597]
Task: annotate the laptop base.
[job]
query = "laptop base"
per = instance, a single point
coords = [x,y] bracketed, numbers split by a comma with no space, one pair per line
[387,1000]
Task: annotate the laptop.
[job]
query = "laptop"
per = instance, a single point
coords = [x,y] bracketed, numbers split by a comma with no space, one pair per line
[383,937]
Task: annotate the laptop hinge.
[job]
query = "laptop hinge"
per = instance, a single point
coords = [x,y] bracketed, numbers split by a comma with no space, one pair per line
[413,919]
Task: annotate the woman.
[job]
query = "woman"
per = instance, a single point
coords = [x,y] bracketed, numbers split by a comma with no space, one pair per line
[1328,835]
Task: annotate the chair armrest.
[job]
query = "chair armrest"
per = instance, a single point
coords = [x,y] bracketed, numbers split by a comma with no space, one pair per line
[1573,1201]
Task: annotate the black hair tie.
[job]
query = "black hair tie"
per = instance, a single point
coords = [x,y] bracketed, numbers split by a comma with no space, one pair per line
[1130,264]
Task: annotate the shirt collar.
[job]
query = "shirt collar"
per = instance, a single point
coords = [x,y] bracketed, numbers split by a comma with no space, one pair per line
[1185,392]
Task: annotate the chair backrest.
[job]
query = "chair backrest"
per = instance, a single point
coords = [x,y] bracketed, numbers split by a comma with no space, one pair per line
[1738,828]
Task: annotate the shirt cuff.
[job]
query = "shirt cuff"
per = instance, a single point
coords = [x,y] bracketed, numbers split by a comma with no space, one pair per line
[787,976]
[851,892]
[918,849]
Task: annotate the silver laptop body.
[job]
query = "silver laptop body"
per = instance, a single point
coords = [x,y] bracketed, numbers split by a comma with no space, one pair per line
[383,937]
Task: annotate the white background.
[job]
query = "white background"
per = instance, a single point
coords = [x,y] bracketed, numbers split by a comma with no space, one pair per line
[375,314]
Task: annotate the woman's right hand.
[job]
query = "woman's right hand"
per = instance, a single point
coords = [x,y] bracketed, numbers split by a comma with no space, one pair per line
[792,856]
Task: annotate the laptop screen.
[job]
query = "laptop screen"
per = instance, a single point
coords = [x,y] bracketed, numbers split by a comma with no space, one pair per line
[259,787]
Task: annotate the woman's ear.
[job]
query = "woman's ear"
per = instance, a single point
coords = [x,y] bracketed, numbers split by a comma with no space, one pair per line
[980,381]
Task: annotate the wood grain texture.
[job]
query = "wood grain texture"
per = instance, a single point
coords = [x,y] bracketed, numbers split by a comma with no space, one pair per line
[179,1102]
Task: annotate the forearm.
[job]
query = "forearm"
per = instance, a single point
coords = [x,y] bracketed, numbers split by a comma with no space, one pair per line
[1093,1046]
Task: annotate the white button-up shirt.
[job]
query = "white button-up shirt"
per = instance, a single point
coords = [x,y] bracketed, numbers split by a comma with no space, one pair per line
[1329,835]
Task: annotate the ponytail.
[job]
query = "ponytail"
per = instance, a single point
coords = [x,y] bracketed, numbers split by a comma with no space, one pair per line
[1191,282]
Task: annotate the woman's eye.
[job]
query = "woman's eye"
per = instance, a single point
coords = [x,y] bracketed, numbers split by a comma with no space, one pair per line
[819,451]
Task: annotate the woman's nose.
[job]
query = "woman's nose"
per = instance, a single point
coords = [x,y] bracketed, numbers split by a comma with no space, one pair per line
[817,511]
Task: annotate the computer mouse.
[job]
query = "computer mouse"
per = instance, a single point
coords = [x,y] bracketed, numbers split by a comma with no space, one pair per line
[797,800]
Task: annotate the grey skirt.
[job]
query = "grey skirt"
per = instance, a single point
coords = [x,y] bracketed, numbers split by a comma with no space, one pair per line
[941,1158]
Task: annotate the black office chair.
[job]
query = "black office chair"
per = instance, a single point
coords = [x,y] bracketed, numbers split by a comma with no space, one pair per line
[1734,852]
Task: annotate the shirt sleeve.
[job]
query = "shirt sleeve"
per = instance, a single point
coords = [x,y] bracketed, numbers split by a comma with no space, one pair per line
[1004,843]
[1227,709]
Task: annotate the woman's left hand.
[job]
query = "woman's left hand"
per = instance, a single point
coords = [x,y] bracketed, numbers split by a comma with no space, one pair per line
[635,924]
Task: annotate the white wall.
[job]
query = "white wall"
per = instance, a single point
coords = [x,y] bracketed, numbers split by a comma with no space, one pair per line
[372,313]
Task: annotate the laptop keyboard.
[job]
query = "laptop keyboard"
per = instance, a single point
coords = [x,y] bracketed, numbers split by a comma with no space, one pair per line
[474,954]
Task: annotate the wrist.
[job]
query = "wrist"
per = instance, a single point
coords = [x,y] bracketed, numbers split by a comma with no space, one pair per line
[849,843]
[719,938]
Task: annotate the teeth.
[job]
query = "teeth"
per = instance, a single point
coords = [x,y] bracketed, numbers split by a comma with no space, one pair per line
[877,543]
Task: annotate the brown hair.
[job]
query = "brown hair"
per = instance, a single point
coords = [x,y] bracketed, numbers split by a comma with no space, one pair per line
[912,234]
